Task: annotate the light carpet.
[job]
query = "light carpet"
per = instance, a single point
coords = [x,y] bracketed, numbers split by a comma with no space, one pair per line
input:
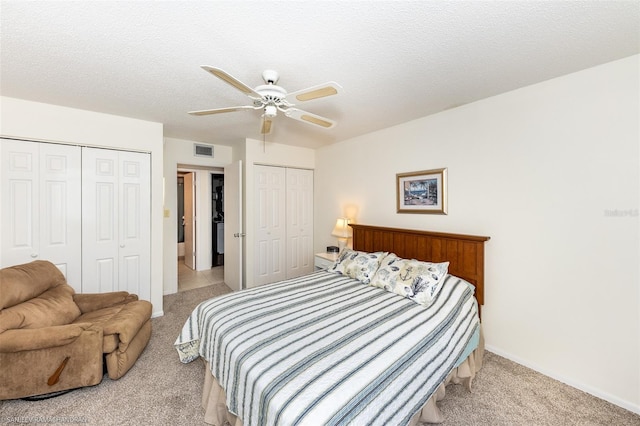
[159,390]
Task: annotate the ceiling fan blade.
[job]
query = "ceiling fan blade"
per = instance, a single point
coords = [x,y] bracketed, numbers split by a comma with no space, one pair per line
[220,110]
[315,92]
[229,79]
[307,117]
[266,127]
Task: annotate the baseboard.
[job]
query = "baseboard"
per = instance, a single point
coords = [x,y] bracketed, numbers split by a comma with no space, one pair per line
[157,314]
[634,408]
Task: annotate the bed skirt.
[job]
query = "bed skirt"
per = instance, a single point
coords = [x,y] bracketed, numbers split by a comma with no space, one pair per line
[216,413]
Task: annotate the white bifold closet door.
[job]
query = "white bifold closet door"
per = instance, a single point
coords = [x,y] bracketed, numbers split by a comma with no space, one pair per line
[299,222]
[283,223]
[270,227]
[116,221]
[40,213]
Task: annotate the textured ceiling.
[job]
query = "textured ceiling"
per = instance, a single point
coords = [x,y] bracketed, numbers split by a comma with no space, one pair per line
[396,60]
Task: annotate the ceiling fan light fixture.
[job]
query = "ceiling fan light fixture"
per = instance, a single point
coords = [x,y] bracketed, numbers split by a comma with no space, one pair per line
[270,111]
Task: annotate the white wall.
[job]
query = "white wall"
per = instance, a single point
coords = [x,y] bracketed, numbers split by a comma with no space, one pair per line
[180,151]
[44,122]
[540,170]
[271,154]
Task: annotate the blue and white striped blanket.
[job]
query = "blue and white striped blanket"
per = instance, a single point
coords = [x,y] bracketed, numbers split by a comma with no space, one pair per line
[325,349]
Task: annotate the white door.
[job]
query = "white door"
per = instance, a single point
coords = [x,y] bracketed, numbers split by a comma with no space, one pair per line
[100,220]
[40,215]
[116,220]
[269,224]
[189,221]
[299,222]
[134,253]
[233,229]
[20,202]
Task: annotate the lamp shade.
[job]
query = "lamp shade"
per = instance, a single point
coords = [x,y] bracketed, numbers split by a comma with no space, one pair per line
[342,228]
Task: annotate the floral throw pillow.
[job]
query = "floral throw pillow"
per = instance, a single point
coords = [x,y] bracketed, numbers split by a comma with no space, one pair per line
[357,264]
[416,280]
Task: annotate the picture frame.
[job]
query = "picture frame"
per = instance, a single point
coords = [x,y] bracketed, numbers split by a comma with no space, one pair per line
[422,192]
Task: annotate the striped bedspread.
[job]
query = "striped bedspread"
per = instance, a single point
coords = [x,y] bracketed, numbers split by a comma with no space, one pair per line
[325,349]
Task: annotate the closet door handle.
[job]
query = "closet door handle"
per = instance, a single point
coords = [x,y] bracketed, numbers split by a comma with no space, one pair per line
[34,255]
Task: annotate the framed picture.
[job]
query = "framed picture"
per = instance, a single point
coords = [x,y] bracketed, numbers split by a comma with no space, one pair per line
[422,192]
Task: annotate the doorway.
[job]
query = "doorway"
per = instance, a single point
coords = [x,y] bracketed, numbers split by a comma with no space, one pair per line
[217,211]
[198,217]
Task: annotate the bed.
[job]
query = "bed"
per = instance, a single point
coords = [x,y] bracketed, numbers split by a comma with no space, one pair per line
[337,348]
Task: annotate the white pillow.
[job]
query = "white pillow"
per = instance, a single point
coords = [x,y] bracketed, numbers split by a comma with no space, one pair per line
[357,264]
[426,287]
[416,280]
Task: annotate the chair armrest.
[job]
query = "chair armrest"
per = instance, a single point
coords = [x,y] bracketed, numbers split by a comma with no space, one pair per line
[128,322]
[89,302]
[27,339]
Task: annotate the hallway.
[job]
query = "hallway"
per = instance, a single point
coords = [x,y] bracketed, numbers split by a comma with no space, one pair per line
[189,279]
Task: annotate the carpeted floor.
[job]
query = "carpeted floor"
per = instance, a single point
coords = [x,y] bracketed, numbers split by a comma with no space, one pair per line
[159,390]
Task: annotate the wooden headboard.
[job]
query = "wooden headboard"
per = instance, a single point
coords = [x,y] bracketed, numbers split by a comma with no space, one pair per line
[465,253]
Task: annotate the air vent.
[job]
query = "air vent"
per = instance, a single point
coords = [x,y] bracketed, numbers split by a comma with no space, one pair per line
[200,150]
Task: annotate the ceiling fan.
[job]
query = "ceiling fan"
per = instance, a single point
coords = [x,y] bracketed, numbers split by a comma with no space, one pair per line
[271,98]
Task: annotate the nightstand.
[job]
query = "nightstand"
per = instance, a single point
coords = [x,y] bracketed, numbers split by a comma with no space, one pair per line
[324,260]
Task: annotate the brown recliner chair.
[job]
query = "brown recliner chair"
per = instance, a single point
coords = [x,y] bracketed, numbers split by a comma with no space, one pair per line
[52,339]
